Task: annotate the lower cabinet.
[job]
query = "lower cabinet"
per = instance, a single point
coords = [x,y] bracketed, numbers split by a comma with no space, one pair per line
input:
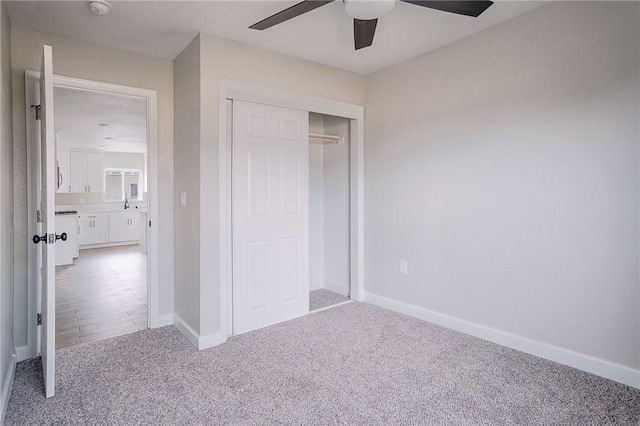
[93,228]
[108,227]
[67,250]
[124,226]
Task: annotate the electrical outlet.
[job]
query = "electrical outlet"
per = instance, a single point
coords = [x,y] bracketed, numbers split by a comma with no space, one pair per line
[183,199]
[404,267]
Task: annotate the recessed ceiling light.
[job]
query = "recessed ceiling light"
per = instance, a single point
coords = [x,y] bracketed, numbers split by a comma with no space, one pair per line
[108,138]
[103,124]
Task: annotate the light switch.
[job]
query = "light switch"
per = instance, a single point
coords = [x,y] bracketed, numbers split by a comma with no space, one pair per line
[404,267]
[183,199]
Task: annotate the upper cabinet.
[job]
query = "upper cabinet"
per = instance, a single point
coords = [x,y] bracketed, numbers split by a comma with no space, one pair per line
[62,160]
[86,171]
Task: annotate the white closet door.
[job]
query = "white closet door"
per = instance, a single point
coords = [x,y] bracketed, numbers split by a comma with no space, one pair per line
[270,215]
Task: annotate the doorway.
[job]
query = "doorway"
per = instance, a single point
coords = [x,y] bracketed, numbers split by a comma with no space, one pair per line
[115,246]
[101,204]
[329,211]
[353,116]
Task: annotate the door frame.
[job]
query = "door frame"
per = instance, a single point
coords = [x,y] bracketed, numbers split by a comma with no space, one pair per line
[32,96]
[229,90]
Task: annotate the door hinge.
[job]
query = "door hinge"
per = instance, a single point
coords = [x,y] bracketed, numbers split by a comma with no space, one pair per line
[37,107]
[39,216]
[149,224]
[39,319]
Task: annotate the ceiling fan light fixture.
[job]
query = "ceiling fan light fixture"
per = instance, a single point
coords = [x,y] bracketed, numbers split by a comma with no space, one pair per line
[100,7]
[368,9]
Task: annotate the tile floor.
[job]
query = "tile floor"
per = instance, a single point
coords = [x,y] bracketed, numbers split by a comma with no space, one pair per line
[103,294]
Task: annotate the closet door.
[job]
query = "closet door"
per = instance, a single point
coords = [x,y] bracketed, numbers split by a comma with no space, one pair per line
[270,185]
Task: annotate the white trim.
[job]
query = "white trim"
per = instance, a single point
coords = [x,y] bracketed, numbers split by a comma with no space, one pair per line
[599,367]
[6,387]
[22,353]
[211,340]
[162,321]
[228,89]
[186,331]
[346,302]
[105,245]
[328,285]
[200,342]
[151,96]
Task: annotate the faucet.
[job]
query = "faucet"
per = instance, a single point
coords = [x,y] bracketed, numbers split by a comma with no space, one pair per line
[126,201]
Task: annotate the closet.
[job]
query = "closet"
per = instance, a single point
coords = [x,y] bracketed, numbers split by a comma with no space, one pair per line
[329,200]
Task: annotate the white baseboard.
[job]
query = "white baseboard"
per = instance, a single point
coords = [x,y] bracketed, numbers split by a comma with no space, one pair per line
[336,288]
[599,367]
[315,311]
[23,354]
[200,342]
[211,340]
[7,384]
[161,321]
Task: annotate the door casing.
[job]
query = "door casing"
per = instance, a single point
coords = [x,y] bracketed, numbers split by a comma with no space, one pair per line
[155,319]
[229,90]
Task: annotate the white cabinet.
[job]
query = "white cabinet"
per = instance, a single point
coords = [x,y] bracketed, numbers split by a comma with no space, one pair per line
[86,171]
[93,228]
[63,163]
[124,226]
[67,250]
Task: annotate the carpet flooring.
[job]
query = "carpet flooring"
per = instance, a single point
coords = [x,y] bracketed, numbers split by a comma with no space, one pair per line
[322,298]
[353,364]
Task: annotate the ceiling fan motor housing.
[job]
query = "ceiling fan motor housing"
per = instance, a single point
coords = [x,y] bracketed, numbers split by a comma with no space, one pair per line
[368,9]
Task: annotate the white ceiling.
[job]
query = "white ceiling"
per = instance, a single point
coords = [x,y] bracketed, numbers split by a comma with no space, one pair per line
[325,35]
[80,117]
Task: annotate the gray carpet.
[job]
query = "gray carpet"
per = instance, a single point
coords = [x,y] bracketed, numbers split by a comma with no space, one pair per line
[322,298]
[354,364]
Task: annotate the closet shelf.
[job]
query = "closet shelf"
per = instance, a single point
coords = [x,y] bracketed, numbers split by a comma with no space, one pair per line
[320,138]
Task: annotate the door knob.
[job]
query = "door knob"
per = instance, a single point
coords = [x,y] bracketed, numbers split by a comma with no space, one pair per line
[37,239]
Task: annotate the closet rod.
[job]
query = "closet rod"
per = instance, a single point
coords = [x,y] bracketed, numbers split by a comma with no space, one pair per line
[325,138]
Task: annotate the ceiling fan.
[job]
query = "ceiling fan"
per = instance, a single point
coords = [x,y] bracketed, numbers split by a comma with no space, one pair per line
[365,13]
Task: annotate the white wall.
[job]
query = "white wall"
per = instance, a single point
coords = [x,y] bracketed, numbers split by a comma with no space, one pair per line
[92,62]
[124,160]
[225,59]
[187,174]
[504,168]
[6,215]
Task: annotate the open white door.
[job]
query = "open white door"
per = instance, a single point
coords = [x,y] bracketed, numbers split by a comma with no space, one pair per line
[270,192]
[47,217]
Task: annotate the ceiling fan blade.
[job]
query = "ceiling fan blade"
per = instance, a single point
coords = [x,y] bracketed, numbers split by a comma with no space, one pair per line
[469,8]
[289,13]
[363,31]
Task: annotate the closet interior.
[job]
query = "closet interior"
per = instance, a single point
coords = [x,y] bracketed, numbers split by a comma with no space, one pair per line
[329,210]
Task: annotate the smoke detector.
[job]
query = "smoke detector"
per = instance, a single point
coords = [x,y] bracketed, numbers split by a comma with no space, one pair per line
[100,7]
